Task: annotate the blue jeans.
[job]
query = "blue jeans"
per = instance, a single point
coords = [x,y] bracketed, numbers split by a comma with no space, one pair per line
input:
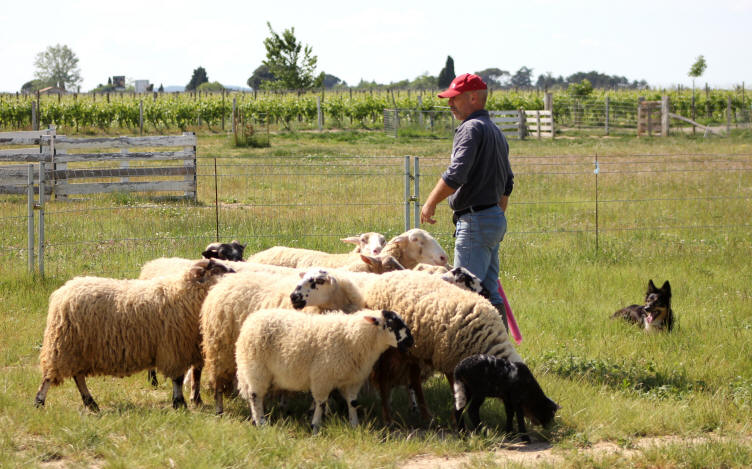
[477,246]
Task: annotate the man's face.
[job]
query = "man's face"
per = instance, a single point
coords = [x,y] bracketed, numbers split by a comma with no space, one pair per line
[462,105]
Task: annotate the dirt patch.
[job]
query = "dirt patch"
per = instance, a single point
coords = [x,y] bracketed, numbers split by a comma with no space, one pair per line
[543,453]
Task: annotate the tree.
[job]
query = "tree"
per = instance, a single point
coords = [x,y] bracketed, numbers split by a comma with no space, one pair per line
[260,75]
[446,75]
[493,77]
[161,88]
[199,76]
[292,65]
[548,81]
[522,78]
[213,86]
[330,81]
[58,65]
[696,71]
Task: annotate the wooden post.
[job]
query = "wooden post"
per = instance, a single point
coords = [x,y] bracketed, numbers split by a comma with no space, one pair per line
[223,109]
[707,101]
[318,113]
[664,116]
[521,123]
[34,121]
[728,116]
[538,123]
[608,104]
[141,117]
[420,111]
[548,102]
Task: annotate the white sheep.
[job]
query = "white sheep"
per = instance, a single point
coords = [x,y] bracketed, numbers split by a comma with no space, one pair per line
[232,300]
[409,249]
[300,352]
[369,243]
[102,326]
[448,323]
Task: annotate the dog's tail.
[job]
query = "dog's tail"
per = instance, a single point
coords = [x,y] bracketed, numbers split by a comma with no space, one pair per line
[460,395]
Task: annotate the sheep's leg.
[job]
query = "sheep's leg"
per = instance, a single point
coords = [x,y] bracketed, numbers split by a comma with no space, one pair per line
[85,394]
[521,424]
[42,393]
[450,378]
[196,386]
[510,411]
[385,391]
[152,376]
[218,403]
[319,398]
[416,388]
[473,410]
[257,408]
[177,392]
[351,396]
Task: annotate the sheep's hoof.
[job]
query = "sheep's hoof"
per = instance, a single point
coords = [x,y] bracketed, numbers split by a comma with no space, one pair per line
[90,404]
[197,401]
[38,403]
[153,378]
[178,402]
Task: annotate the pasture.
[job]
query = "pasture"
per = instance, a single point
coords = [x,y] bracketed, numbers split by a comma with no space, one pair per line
[673,209]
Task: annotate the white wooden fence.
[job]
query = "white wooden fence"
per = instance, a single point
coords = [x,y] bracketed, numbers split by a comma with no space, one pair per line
[525,123]
[76,166]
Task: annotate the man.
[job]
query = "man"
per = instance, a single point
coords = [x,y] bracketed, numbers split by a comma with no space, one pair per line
[477,182]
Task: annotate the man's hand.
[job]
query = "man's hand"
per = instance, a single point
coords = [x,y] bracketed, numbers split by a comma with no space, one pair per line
[426,214]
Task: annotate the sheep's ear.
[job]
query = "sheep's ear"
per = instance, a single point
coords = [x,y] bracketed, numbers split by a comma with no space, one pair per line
[368,259]
[351,240]
[372,320]
[302,273]
[390,263]
[400,239]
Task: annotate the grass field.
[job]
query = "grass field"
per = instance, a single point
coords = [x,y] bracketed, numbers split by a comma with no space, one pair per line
[666,210]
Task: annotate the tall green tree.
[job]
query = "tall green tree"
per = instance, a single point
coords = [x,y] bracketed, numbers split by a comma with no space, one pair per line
[446,75]
[260,75]
[522,78]
[58,65]
[696,70]
[292,65]
[199,76]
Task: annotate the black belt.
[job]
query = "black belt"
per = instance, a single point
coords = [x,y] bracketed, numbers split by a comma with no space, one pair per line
[474,208]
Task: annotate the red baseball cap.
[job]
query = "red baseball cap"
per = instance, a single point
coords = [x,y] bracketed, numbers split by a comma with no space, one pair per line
[464,82]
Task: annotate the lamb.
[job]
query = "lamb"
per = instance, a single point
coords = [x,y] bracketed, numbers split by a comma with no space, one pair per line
[232,251]
[448,324]
[300,352]
[480,376]
[101,326]
[231,301]
[463,278]
[369,243]
[408,249]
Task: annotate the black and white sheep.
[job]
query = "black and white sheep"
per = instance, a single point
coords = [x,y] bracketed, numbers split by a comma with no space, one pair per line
[480,376]
[102,326]
[295,351]
[232,251]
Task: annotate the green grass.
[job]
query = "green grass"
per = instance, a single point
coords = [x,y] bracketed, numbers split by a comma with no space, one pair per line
[689,391]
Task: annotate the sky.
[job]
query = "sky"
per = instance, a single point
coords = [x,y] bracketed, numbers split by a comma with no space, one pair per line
[385,41]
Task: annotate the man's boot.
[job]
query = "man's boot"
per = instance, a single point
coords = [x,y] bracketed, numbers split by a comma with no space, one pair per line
[503,313]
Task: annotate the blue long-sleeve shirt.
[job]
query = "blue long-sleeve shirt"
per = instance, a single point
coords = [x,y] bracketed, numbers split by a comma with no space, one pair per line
[479,170]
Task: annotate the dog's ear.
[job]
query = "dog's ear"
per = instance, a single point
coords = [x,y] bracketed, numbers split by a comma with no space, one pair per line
[666,287]
[651,286]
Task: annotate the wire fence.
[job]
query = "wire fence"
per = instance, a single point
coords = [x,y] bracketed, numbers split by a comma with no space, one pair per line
[314,201]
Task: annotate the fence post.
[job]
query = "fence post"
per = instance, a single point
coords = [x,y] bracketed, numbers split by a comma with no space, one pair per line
[420,111]
[608,109]
[318,113]
[41,217]
[30,213]
[548,102]
[728,116]
[234,110]
[141,117]
[34,113]
[664,116]
[407,193]
[416,191]
[521,123]
[396,122]
[596,171]
[191,163]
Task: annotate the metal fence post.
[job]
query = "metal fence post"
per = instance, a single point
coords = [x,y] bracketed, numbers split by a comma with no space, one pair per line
[30,213]
[416,191]
[41,218]
[407,193]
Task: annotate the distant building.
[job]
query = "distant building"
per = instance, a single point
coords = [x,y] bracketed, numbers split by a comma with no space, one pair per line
[143,86]
[118,82]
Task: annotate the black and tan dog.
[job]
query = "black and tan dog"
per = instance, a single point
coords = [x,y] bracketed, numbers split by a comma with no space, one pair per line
[656,314]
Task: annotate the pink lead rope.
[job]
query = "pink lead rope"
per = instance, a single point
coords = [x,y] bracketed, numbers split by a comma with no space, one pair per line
[513,328]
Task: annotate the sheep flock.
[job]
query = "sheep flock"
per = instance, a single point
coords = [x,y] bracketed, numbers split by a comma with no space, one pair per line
[284,319]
